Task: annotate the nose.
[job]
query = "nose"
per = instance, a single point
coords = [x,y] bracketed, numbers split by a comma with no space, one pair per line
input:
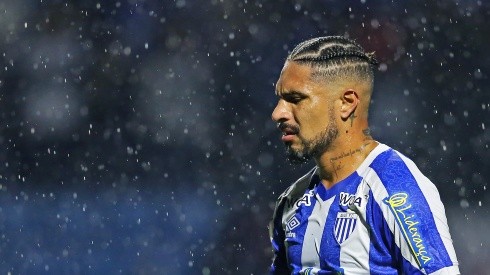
[281,112]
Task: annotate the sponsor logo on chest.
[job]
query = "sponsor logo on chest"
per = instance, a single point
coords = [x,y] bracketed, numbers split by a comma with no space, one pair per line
[346,199]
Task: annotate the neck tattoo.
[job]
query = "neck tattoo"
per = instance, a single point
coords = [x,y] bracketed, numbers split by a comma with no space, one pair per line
[350,152]
[336,161]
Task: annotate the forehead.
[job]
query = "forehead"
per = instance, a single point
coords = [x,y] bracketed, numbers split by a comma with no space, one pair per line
[294,76]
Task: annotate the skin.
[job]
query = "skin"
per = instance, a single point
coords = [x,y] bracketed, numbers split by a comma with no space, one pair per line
[312,108]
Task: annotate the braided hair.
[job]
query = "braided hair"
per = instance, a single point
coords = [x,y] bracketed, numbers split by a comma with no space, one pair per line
[335,56]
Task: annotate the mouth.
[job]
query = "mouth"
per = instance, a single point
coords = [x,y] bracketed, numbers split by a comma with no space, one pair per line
[288,132]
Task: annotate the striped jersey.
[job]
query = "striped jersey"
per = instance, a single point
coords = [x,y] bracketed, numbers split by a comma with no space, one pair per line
[385,218]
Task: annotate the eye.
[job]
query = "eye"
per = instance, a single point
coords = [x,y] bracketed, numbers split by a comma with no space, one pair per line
[293,98]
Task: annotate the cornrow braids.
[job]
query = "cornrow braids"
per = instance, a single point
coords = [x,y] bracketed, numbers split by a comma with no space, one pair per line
[329,47]
[335,56]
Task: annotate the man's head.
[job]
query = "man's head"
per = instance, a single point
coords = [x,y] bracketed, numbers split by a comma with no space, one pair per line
[326,82]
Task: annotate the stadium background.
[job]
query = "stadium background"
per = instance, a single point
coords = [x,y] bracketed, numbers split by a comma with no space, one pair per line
[136,135]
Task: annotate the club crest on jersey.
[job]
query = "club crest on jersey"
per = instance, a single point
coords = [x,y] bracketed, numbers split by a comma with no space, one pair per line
[345,223]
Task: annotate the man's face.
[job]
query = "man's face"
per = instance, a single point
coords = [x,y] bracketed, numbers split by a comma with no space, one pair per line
[304,113]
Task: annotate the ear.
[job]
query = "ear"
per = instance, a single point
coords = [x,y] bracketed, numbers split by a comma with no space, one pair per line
[350,100]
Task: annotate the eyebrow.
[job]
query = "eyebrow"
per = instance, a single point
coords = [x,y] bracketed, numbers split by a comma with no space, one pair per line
[289,93]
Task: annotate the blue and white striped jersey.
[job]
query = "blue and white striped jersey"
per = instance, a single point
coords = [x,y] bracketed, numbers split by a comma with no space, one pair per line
[385,218]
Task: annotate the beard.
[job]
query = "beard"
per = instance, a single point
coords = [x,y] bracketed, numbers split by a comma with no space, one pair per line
[313,147]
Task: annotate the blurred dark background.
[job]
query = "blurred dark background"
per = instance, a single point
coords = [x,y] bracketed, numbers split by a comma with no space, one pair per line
[136,135]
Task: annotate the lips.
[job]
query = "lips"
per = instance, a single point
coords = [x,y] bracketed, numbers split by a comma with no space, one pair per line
[288,131]
[287,138]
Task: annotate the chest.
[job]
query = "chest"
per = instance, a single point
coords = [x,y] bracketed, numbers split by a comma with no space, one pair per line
[320,232]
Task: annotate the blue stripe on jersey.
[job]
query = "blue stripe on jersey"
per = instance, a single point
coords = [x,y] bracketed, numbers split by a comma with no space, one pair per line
[410,207]
[295,244]
[329,248]
[407,267]
[382,241]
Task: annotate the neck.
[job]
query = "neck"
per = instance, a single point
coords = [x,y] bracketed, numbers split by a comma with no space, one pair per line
[344,157]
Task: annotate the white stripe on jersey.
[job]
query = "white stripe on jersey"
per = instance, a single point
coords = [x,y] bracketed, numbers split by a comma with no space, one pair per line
[310,254]
[353,256]
[449,270]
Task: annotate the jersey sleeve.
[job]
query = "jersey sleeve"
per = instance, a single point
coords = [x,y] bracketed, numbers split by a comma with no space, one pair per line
[277,235]
[415,216]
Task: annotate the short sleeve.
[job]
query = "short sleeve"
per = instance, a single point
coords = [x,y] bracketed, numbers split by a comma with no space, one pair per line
[415,215]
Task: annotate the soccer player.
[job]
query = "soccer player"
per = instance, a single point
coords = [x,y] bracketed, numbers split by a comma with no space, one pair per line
[364,208]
